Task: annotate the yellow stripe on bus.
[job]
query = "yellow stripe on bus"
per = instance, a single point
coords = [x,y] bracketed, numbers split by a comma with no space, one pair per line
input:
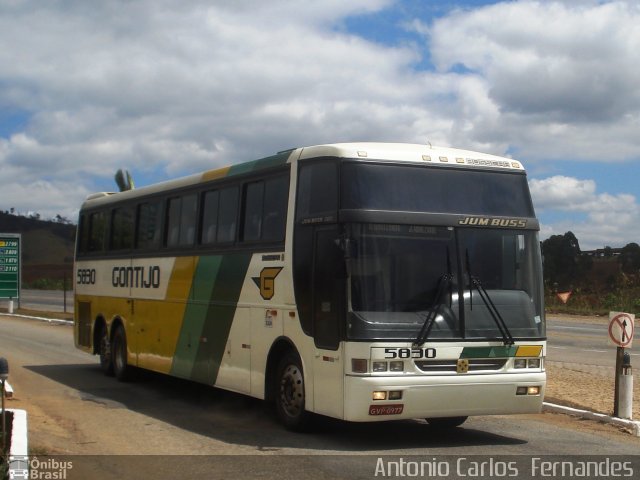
[162,320]
[529,351]
[215,174]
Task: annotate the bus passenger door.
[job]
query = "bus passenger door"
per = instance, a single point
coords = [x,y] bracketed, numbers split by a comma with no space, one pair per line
[328,307]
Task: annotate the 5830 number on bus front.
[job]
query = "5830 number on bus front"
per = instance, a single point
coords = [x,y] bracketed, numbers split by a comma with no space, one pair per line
[415,353]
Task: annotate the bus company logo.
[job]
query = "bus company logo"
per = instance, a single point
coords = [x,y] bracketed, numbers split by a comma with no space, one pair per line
[136,277]
[462,366]
[266,282]
[493,222]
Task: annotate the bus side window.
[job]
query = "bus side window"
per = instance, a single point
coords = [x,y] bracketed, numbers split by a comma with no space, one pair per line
[210,204]
[173,222]
[97,230]
[227,215]
[149,220]
[188,219]
[265,212]
[83,235]
[275,208]
[253,203]
[181,220]
[121,229]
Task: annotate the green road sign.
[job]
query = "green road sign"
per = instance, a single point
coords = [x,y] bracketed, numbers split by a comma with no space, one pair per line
[10,265]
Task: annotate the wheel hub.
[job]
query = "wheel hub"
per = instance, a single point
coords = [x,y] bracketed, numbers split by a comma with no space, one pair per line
[291,391]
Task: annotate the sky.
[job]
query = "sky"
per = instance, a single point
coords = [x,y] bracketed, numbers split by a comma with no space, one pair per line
[169,88]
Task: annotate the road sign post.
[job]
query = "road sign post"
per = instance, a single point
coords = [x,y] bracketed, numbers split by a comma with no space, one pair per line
[10,266]
[621,329]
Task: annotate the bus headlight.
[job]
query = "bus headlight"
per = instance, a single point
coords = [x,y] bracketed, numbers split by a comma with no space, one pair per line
[534,363]
[527,363]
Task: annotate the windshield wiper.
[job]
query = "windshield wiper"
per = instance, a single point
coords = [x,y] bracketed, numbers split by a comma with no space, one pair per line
[507,338]
[443,284]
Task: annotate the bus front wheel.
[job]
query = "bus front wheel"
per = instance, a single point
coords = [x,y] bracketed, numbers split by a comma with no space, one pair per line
[445,423]
[290,394]
[119,354]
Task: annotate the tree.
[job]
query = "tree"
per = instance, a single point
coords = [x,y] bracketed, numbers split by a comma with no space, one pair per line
[629,258]
[563,266]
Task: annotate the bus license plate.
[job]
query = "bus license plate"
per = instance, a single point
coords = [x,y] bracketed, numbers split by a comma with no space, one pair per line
[386,409]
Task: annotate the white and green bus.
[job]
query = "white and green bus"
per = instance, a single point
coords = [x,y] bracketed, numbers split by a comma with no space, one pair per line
[363,281]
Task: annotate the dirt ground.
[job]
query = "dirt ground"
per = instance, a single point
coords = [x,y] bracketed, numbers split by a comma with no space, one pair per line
[574,386]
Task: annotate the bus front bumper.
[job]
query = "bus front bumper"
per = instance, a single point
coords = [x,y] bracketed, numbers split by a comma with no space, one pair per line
[441,396]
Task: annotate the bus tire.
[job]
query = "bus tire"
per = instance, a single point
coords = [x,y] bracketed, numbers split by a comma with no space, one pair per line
[106,363]
[290,394]
[121,369]
[445,423]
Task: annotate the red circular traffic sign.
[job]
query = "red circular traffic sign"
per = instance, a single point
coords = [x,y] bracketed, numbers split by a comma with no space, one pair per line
[621,328]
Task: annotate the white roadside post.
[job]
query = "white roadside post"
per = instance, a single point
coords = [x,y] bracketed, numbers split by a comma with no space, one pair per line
[625,398]
[621,327]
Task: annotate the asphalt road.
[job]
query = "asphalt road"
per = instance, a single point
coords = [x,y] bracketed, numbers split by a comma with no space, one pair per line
[75,410]
[585,343]
[46,300]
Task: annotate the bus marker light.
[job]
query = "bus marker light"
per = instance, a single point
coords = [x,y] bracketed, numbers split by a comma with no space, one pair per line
[379,366]
[362,153]
[395,395]
[379,395]
[396,366]
[359,365]
[426,158]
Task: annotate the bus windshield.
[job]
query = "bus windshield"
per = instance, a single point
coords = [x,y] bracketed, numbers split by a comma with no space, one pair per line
[400,275]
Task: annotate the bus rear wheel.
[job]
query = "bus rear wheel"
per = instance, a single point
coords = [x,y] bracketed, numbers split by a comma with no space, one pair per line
[121,369]
[106,363]
[290,394]
[445,423]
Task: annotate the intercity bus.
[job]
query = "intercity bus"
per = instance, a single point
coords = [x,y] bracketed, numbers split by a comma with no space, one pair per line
[362,281]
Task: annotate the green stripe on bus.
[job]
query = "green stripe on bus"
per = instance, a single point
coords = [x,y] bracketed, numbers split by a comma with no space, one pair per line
[219,316]
[489,352]
[195,315]
[267,162]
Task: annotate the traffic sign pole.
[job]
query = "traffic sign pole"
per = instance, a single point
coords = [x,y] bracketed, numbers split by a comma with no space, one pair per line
[621,329]
[616,396]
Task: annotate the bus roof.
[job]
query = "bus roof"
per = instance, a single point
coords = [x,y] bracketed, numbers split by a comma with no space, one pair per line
[397,152]
[410,153]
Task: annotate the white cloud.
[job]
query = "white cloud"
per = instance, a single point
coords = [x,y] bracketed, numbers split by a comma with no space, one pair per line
[612,220]
[563,76]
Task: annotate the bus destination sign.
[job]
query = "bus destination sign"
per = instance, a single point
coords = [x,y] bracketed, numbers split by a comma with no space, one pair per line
[10,245]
